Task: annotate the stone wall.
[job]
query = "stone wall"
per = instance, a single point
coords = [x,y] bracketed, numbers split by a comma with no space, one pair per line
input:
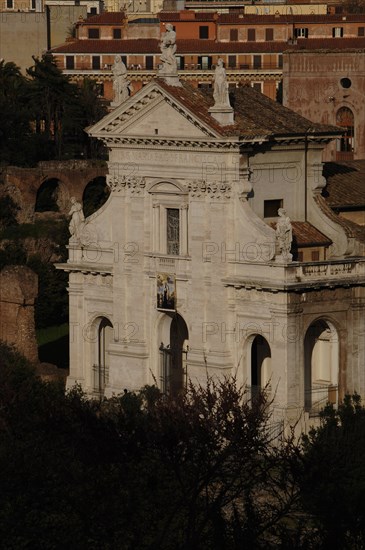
[18,291]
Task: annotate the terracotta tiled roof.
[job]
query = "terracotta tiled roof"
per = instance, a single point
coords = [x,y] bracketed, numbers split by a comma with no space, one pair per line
[305,234]
[106,18]
[256,116]
[345,187]
[151,46]
[347,226]
[257,111]
[181,16]
[145,46]
[198,103]
[255,19]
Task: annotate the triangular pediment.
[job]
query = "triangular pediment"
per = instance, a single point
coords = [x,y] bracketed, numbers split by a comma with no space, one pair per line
[152,113]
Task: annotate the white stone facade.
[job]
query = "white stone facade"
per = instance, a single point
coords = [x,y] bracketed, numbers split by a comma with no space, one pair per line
[297,328]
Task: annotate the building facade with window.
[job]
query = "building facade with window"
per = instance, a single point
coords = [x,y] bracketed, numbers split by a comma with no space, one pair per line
[179,276]
[328,87]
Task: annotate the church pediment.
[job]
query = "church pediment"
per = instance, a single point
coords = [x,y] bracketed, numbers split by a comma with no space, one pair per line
[152,113]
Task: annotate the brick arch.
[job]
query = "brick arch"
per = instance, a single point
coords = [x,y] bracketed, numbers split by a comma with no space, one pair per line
[23,183]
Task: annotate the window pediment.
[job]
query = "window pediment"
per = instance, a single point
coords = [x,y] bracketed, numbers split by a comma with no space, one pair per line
[167,188]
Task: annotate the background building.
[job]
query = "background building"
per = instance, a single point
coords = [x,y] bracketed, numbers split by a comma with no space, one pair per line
[329,87]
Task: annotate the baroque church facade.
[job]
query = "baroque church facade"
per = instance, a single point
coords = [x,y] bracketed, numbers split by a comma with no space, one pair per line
[183,273]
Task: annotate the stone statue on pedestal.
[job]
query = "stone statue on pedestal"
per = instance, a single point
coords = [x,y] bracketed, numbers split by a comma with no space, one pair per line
[121,85]
[220,92]
[168,50]
[284,236]
[77,220]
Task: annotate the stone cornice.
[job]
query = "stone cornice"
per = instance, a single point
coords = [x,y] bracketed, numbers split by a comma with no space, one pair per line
[93,269]
[171,143]
[135,184]
[213,189]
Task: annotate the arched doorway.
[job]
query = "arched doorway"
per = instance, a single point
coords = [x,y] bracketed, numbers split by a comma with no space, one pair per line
[95,194]
[260,365]
[345,144]
[101,367]
[321,363]
[173,357]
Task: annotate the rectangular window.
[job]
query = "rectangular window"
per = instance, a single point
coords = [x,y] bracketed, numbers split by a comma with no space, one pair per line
[95,62]
[257,86]
[251,35]
[361,31]
[280,61]
[100,89]
[173,231]
[149,62]
[315,255]
[93,11]
[269,35]
[180,62]
[32,5]
[337,32]
[70,62]
[93,33]
[301,33]
[257,61]
[204,32]
[10,4]
[233,35]
[232,61]
[300,256]
[117,34]
[271,208]
[205,62]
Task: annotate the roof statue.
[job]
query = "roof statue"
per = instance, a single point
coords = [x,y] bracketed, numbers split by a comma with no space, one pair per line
[284,236]
[121,85]
[77,220]
[222,110]
[220,93]
[168,47]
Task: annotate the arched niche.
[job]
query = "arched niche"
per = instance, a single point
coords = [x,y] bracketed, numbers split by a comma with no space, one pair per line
[321,365]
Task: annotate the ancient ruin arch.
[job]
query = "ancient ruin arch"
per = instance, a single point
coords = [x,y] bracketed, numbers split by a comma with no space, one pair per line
[173,349]
[321,365]
[52,196]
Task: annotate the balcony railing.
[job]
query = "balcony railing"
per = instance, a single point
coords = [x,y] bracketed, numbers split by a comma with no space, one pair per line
[188,67]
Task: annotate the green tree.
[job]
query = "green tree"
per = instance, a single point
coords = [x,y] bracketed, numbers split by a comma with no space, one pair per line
[332,478]
[14,118]
[140,470]
[51,95]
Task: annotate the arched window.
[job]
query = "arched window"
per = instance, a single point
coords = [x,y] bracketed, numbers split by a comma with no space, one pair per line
[346,144]
[321,362]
